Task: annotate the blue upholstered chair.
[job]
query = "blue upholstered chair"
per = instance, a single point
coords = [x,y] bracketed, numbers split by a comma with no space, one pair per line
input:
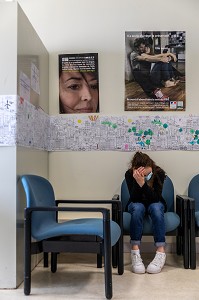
[193,192]
[172,219]
[193,208]
[89,235]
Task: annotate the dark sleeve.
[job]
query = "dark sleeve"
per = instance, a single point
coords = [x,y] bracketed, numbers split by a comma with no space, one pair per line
[146,194]
[154,194]
[135,190]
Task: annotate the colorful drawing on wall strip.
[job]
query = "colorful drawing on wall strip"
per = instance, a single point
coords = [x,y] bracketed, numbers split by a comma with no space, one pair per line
[155,71]
[29,126]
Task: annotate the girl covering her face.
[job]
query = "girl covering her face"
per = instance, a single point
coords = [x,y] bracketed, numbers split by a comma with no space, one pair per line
[78,92]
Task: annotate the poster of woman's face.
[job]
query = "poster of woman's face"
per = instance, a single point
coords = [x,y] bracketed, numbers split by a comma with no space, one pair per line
[78,83]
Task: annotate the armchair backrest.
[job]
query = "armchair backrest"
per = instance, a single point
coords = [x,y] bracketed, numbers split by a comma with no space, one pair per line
[193,190]
[167,193]
[39,192]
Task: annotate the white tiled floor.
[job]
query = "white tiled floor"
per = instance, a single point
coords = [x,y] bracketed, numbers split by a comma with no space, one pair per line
[78,278]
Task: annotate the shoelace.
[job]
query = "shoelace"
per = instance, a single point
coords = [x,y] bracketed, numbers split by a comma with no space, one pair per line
[137,259]
[158,259]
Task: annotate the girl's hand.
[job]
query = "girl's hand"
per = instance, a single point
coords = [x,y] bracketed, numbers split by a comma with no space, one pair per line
[138,174]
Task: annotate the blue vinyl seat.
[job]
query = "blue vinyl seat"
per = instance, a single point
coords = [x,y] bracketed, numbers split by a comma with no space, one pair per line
[84,235]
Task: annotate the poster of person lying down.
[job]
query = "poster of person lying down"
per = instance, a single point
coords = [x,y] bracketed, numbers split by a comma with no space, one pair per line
[155,71]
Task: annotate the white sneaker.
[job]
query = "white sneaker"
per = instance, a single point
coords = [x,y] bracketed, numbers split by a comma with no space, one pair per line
[157,263]
[137,264]
[159,95]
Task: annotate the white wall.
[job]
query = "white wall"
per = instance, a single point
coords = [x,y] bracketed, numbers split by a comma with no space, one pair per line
[14,30]
[99,26]
[8,154]
[29,161]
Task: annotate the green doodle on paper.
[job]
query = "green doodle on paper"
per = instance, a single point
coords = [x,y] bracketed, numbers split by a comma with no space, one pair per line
[134,129]
[144,137]
[110,124]
[114,125]
[195,134]
[156,122]
[148,142]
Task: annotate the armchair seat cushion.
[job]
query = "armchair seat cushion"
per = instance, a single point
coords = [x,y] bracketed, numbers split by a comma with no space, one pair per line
[172,221]
[86,226]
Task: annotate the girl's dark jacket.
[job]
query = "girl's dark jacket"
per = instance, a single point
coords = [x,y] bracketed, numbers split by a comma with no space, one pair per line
[146,194]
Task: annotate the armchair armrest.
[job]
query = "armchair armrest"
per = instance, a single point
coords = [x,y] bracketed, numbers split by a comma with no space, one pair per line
[183,206]
[183,203]
[116,197]
[113,201]
[186,208]
[117,215]
[184,198]
[28,211]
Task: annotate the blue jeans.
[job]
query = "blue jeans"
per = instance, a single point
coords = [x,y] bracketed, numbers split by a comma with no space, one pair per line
[161,72]
[138,212]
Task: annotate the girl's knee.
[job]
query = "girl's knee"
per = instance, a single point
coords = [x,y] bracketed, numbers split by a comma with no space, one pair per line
[136,208]
[156,207]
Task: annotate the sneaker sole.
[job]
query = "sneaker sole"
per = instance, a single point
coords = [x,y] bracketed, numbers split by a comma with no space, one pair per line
[153,272]
[135,272]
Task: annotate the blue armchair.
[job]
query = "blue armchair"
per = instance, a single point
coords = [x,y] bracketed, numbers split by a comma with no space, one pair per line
[85,235]
[174,224]
[192,202]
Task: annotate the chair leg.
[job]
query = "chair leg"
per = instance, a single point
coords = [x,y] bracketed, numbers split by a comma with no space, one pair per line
[120,256]
[27,274]
[108,273]
[192,253]
[181,210]
[99,260]
[114,256]
[45,255]
[192,238]
[107,257]
[27,256]
[53,262]
[178,244]
[185,237]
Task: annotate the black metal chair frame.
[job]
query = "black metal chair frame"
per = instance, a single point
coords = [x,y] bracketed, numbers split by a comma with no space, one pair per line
[190,231]
[77,243]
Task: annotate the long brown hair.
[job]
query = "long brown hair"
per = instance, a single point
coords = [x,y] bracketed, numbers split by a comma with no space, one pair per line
[142,160]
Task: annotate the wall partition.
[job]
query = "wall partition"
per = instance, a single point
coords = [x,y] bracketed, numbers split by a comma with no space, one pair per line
[24,72]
